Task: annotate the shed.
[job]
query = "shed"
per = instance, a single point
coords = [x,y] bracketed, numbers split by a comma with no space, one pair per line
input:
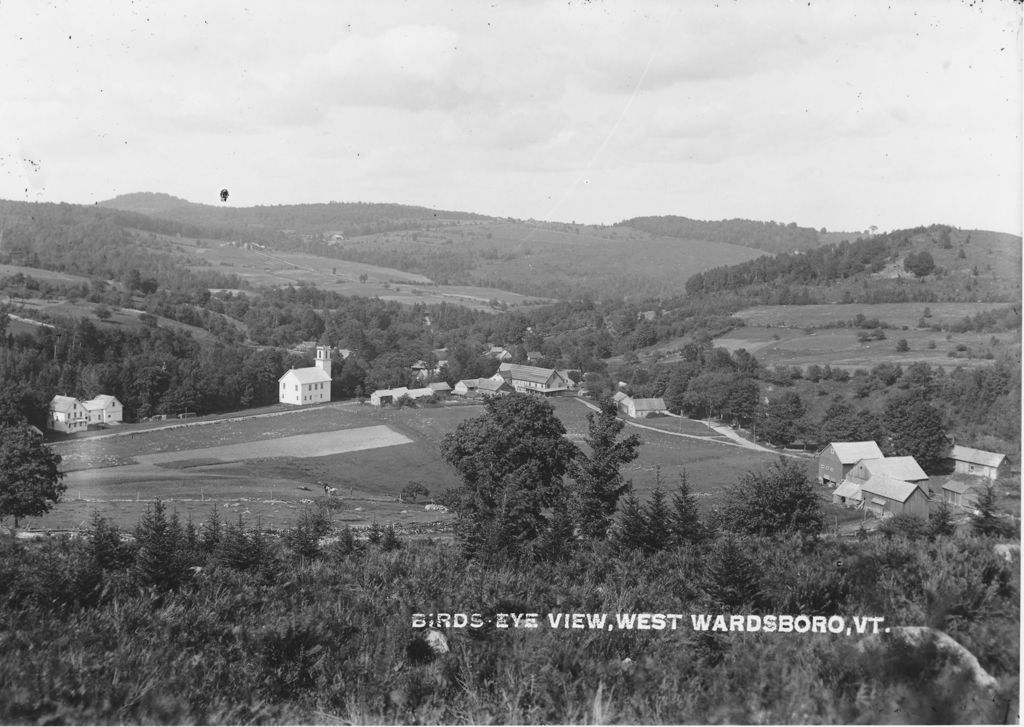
[837,459]
[848,494]
[643,408]
[887,496]
[970,461]
[961,492]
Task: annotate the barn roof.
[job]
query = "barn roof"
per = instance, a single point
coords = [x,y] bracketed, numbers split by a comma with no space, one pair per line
[853,452]
[902,468]
[534,374]
[440,386]
[619,396]
[977,456]
[889,487]
[307,375]
[62,403]
[100,402]
[962,487]
[848,489]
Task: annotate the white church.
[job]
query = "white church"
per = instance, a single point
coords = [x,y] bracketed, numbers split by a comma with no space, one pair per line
[309,385]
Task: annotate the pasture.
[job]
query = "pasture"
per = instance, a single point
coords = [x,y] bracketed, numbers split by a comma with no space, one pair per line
[896,314]
[119,317]
[272,464]
[276,268]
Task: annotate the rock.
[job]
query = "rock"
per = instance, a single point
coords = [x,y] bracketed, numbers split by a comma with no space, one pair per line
[977,694]
[1006,551]
[437,641]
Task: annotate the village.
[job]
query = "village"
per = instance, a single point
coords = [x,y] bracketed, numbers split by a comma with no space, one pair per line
[858,476]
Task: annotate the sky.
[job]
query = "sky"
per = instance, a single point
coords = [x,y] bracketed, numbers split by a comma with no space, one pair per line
[844,114]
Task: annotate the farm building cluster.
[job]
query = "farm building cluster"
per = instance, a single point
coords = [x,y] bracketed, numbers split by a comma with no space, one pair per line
[70,415]
[864,478]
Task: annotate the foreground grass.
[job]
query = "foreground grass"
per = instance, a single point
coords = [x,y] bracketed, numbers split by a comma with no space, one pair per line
[327,636]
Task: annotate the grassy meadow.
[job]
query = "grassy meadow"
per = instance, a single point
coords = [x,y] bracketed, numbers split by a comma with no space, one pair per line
[273,462]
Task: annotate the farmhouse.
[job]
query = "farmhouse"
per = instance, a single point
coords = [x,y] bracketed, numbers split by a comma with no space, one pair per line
[837,459]
[969,461]
[886,496]
[104,409]
[309,385]
[899,468]
[67,415]
[960,492]
[532,379]
[422,371]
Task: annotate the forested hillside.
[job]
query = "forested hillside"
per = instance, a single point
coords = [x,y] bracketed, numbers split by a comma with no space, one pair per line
[769,236]
[268,222]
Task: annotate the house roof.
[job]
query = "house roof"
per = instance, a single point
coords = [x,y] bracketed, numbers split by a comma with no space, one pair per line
[619,396]
[902,468]
[889,487]
[62,403]
[853,452]
[440,386]
[470,383]
[649,404]
[977,456]
[100,402]
[307,375]
[849,489]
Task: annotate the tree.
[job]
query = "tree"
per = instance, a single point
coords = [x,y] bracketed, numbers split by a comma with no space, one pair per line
[684,520]
[413,490]
[159,560]
[774,501]
[511,460]
[102,312]
[783,419]
[731,578]
[915,428]
[631,527]
[30,481]
[985,520]
[597,482]
[940,521]
[920,263]
[657,522]
[902,346]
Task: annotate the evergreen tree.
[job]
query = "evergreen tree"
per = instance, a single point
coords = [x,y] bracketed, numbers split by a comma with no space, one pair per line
[731,577]
[657,528]
[684,520]
[940,521]
[985,520]
[158,560]
[213,530]
[104,544]
[597,481]
[631,527]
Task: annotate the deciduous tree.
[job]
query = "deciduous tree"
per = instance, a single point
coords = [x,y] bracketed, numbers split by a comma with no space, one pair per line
[30,481]
[774,501]
[511,459]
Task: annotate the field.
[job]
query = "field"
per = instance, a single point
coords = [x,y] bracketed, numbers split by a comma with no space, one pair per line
[273,463]
[276,268]
[896,314]
[128,318]
[46,276]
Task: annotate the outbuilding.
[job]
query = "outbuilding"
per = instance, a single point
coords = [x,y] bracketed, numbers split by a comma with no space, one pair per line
[970,461]
[887,496]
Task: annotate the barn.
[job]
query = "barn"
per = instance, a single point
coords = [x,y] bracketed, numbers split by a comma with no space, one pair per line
[899,468]
[887,496]
[962,492]
[837,459]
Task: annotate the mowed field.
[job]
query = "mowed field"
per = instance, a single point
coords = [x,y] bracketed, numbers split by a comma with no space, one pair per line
[271,467]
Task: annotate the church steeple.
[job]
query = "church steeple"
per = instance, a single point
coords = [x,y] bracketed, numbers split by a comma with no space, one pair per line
[323,358]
